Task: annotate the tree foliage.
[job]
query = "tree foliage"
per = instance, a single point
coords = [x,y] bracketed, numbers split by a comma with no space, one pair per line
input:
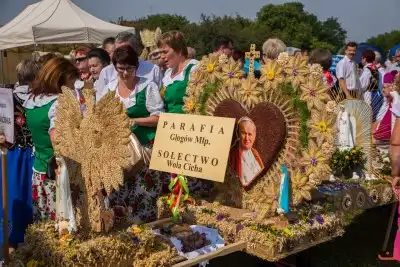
[289,22]
[386,40]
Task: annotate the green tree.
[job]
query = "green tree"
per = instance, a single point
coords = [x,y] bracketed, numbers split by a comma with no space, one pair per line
[291,23]
[386,40]
[166,21]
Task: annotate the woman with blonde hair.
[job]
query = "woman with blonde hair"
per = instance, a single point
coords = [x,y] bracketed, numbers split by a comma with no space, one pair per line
[272,48]
[40,109]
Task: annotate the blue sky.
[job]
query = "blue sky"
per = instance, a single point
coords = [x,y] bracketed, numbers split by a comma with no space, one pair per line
[361,18]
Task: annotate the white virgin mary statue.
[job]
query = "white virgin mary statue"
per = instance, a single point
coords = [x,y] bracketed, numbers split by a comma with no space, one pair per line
[347,130]
[65,213]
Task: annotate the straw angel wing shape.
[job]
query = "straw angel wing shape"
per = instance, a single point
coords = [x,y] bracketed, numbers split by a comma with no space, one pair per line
[98,141]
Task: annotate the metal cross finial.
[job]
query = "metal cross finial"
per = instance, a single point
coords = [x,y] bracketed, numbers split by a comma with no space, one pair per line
[253,54]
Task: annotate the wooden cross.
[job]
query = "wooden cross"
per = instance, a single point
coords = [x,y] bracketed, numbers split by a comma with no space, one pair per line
[253,54]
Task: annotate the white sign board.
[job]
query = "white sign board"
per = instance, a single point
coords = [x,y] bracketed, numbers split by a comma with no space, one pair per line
[7,114]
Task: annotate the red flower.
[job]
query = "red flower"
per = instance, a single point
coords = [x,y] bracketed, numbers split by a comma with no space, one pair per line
[20,121]
[42,177]
[53,216]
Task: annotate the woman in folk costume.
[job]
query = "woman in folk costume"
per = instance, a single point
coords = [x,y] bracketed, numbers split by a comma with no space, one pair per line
[383,127]
[143,104]
[40,108]
[20,159]
[174,52]
[173,49]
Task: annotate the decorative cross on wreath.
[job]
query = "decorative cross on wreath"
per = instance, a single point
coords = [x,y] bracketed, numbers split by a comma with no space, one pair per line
[252,55]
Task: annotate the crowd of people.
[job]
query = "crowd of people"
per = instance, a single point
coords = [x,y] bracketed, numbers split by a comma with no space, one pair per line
[146,87]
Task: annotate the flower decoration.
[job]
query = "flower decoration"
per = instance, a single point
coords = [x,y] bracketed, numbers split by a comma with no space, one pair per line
[249,92]
[316,71]
[347,159]
[328,147]
[347,202]
[196,83]
[210,68]
[301,188]
[331,107]
[315,161]
[373,194]
[232,74]
[283,58]
[321,127]
[271,75]
[223,59]
[269,202]
[319,219]
[20,121]
[387,195]
[296,70]
[360,200]
[314,93]
[191,104]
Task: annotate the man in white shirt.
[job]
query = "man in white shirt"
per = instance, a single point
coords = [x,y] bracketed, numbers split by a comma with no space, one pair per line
[347,70]
[146,69]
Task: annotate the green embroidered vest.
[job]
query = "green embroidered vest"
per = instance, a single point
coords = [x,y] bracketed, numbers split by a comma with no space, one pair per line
[175,92]
[144,134]
[38,122]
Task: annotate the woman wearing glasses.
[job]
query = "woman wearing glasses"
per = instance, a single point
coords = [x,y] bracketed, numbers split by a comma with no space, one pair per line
[143,104]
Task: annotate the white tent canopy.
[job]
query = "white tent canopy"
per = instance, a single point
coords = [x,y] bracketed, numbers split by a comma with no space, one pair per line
[56,22]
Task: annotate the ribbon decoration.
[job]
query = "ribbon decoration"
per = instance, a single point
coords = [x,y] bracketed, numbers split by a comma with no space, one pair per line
[178,186]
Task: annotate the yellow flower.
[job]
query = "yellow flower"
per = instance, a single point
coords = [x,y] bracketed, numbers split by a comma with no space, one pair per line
[135,230]
[271,75]
[232,74]
[314,93]
[249,92]
[190,104]
[347,157]
[288,232]
[296,70]
[315,161]
[353,151]
[210,67]
[321,127]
